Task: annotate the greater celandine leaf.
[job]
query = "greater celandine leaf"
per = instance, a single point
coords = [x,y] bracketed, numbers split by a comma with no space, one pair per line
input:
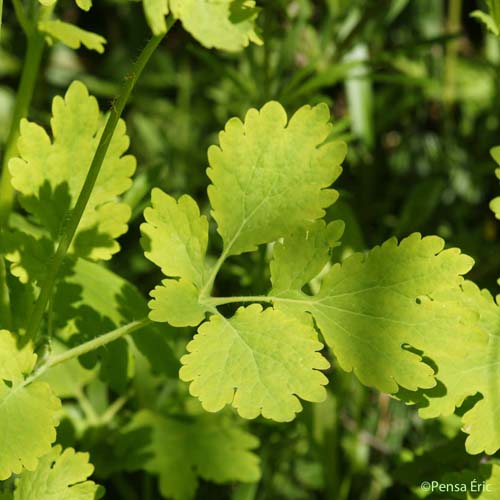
[474,372]
[260,361]
[60,475]
[270,174]
[179,451]
[175,238]
[71,35]
[372,309]
[28,411]
[495,203]
[49,173]
[83,4]
[225,24]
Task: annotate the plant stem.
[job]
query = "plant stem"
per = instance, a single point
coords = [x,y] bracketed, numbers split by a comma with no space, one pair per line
[24,96]
[220,301]
[5,311]
[66,238]
[89,346]
[1,12]
[453,26]
[21,16]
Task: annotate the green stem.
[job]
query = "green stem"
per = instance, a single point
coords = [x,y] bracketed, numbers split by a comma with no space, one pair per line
[454,25]
[1,12]
[220,301]
[24,96]
[89,346]
[95,167]
[5,311]
[21,16]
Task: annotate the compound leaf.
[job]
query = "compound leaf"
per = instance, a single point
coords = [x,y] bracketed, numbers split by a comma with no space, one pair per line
[179,451]
[27,411]
[373,309]
[59,476]
[175,236]
[72,35]
[260,361]
[50,173]
[270,176]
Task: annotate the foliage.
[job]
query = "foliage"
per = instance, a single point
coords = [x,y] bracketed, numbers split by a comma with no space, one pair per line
[302,338]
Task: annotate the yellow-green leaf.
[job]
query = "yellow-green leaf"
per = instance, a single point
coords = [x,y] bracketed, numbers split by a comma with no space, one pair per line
[72,35]
[49,173]
[60,475]
[271,175]
[260,361]
[28,411]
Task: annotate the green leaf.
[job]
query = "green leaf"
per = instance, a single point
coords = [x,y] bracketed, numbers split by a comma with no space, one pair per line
[258,361]
[270,176]
[91,301]
[294,263]
[176,302]
[28,412]
[61,476]
[72,35]
[375,310]
[495,203]
[49,173]
[477,372]
[487,20]
[175,236]
[83,4]
[67,380]
[155,12]
[226,24]
[179,451]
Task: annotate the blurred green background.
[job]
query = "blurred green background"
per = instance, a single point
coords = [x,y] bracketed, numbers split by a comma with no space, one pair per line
[414,89]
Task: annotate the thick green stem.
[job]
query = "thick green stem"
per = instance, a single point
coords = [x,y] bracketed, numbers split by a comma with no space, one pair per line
[23,100]
[95,167]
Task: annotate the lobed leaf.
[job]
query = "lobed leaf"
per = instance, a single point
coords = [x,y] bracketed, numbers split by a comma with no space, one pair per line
[260,361]
[83,4]
[495,203]
[270,175]
[179,451]
[472,372]
[155,12]
[49,173]
[226,24]
[175,236]
[72,35]
[28,411]
[374,311]
[59,476]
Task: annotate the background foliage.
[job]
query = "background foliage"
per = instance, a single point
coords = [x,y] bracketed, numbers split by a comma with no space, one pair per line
[414,89]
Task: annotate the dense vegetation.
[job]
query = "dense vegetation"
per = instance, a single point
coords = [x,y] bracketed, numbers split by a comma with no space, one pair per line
[285,317]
